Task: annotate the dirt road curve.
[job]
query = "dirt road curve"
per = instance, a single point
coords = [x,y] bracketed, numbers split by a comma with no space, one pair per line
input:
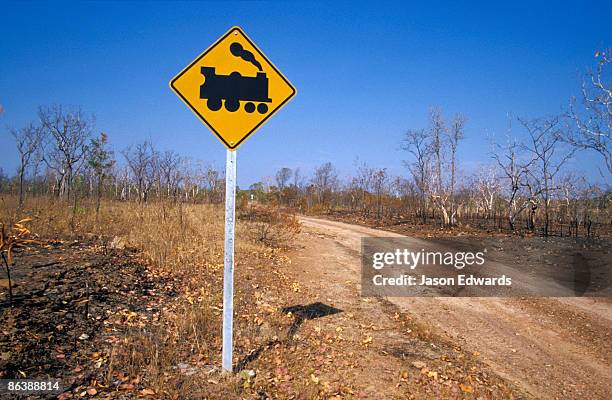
[549,348]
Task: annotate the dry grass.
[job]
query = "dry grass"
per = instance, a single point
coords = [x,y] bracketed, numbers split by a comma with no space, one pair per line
[175,237]
[272,226]
[183,243]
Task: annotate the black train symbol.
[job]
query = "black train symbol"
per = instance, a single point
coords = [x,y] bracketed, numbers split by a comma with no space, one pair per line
[234,88]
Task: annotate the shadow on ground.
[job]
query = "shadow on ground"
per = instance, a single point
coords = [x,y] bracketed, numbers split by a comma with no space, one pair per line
[301,313]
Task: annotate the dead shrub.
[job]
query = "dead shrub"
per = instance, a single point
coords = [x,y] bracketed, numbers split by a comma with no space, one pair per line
[272,226]
[12,238]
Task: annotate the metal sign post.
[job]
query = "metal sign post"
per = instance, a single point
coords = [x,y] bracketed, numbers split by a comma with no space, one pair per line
[234,89]
[228,259]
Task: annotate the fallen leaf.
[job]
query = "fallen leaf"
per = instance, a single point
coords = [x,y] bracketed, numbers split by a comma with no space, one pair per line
[466,388]
[126,386]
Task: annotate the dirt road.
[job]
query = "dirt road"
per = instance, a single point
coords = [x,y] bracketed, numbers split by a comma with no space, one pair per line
[549,348]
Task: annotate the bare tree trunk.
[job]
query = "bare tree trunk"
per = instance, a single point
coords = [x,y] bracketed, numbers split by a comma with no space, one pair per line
[21,193]
[8,274]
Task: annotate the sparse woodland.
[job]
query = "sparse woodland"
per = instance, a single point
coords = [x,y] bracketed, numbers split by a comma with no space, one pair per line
[524,185]
[521,185]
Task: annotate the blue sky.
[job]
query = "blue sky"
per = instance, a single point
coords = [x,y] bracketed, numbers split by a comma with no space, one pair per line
[365,72]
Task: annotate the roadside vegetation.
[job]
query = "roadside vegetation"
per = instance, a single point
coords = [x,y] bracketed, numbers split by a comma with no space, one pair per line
[168,343]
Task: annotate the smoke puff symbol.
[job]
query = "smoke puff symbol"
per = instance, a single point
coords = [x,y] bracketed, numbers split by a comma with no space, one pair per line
[239,51]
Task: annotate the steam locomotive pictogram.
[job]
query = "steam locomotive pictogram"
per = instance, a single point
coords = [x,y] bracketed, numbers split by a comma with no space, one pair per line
[234,88]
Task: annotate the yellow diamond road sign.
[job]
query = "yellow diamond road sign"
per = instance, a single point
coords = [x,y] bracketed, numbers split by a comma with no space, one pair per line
[233,88]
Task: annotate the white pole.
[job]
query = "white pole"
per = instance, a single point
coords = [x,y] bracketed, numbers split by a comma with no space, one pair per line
[228,260]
